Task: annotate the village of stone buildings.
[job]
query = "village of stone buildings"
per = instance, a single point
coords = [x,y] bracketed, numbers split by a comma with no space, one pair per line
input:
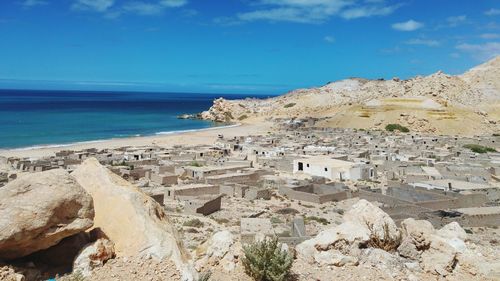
[303,185]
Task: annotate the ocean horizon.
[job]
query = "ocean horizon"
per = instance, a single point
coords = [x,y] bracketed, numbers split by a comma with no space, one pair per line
[41,118]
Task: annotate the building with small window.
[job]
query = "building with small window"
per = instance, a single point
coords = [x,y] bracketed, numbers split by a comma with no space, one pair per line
[334,169]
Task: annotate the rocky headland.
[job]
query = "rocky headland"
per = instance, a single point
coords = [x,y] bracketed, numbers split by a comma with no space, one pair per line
[467,104]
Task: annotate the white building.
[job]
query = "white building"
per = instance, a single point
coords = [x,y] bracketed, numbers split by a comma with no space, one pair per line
[333,169]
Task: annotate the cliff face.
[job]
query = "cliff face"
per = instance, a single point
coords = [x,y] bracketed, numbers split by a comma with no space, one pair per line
[467,104]
[221,111]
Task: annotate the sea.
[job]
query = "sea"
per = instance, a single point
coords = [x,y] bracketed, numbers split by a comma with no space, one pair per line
[38,118]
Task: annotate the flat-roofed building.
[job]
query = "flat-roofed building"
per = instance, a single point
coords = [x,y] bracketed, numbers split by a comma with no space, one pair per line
[333,169]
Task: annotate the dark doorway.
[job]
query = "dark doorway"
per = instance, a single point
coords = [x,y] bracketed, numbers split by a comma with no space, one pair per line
[301,166]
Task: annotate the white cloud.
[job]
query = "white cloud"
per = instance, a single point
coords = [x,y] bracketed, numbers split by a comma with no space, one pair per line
[173,3]
[424,42]
[314,11]
[97,5]
[368,11]
[329,39]
[489,36]
[33,3]
[410,25]
[456,20]
[481,51]
[143,8]
[492,12]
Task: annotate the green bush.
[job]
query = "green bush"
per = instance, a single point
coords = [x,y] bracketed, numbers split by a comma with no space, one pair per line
[323,221]
[288,105]
[243,117]
[193,223]
[195,164]
[266,261]
[394,127]
[479,148]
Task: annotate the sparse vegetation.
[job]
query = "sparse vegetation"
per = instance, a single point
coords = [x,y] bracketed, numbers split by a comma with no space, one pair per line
[243,117]
[288,105]
[276,220]
[339,211]
[287,211]
[396,127]
[196,164]
[323,221]
[221,220]
[266,261]
[387,244]
[194,223]
[479,148]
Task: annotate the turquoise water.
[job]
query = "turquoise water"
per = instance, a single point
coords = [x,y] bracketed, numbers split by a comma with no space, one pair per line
[35,118]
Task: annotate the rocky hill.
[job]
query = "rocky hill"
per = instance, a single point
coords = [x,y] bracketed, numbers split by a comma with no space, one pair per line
[439,103]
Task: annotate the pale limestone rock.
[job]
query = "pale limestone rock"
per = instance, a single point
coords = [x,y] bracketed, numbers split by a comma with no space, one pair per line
[440,258]
[214,249]
[417,231]
[221,111]
[372,217]
[452,230]
[8,274]
[348,232]
[381,259]
[342,237]
[362,222]
[38,210]
[334,257]
[133,221]
[92,256]
[306,250]
[408,249]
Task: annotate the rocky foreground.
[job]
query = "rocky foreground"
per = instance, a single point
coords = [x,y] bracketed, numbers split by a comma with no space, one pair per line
[467,104]
[91,224]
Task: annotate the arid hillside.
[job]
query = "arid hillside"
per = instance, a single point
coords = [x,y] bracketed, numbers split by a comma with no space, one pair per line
[467,104]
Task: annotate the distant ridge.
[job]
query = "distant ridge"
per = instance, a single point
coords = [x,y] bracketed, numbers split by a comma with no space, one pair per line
[467,104]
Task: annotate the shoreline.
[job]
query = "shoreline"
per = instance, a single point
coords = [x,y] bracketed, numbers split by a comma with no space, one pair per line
[163,139]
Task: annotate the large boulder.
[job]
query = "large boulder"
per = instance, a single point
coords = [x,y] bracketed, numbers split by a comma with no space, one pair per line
[38,210]
[436,250]
[453,230]
[364,224]
[417,232]
[440,258]
[133,221]
[214,249]
[380,224]
[345,238]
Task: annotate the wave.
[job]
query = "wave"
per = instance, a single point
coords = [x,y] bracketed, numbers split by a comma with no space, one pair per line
[197,130]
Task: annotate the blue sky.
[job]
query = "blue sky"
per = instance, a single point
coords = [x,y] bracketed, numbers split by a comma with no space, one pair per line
[237,46]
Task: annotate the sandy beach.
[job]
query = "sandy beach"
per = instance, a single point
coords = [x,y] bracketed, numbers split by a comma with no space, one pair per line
[198,137]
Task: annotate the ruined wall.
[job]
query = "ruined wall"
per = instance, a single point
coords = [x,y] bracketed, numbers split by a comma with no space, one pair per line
[463,201]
